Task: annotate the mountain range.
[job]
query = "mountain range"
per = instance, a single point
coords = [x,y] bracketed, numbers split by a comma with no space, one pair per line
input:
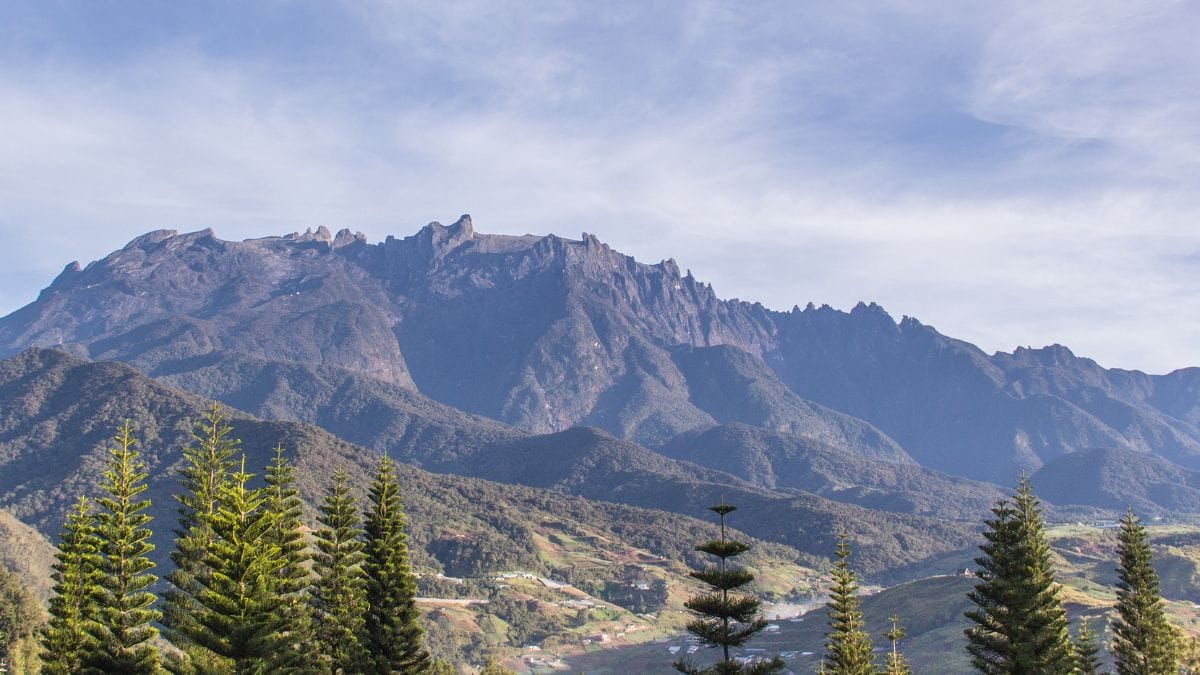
[546,333]
[562,365]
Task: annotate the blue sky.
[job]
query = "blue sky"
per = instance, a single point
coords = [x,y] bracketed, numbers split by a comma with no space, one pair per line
[1013,174]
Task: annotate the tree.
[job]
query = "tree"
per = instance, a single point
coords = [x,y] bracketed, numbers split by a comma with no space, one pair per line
[1143,641]
[1087,650]
[1020,625]
[392,623]
[725,620]
[207,467]
[123,629]
[896,663]
[339,594]
[848,650]
[65,639]
[292,579]
[242,617]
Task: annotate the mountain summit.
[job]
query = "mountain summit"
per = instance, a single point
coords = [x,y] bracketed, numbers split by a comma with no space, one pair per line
[544,333]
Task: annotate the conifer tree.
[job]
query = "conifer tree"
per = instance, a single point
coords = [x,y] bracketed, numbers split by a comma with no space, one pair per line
[392,624]
[123,627]
[1020,625]
[65,638]
[896,664]
[339,594]
[1087,650]
[207,466]
[1143,641]
[725,620]
[292,579]
[848,650]
[243,618]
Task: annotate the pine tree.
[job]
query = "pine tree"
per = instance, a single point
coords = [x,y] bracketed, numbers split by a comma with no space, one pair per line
[208,465]
[1143,641]
[896,663]
[848,650]
[242,617]
[339,595]
[393,618]
[1087,650]
[1020,625]
[725,620]
[65,638]
[123,628]
[292,579]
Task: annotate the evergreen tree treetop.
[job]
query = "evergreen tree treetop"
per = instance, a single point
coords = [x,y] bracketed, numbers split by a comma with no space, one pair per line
[1019,622]
[65,638]
[393,620]
[292,579]
[896,664]
[339,593]
[1087,650]
[1143,642]
[725,620]
[244,620]
[848,649]
[208,463]
[123,628]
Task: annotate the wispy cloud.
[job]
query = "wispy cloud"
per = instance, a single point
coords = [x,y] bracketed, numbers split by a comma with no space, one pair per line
[1015,175]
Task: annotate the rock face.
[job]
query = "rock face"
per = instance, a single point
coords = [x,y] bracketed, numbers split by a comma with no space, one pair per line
[544,333]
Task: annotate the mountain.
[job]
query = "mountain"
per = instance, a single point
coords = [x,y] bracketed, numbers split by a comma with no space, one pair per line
[772,459]
[546,333]
[540,333]
[1117,478]
[57,411]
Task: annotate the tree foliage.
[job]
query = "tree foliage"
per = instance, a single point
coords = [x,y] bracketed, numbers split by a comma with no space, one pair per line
[292,579]
[207,466]
[895,663]
[340,594]
[242,619]
[1019,624]
[1143,641]
[393,620]
[848,648]
[725,620]
[1087,650]
[65,638]
[123,624]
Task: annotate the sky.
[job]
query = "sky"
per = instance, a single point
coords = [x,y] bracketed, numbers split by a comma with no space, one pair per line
[1014,174]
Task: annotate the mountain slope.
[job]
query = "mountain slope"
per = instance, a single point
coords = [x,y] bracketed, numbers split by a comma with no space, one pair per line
[773,460]
[56,412]
[24,551]
[373,413]
[1116,478]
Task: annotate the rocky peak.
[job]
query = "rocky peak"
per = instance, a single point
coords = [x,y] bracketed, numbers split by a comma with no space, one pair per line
[345,237]
[437,239]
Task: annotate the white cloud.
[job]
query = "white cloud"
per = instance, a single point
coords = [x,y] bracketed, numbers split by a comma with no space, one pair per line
[1035,190]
